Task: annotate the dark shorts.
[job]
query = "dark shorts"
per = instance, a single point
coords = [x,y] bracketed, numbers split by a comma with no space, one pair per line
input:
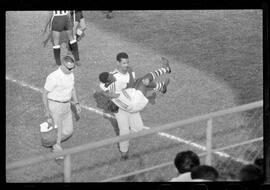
[61,23]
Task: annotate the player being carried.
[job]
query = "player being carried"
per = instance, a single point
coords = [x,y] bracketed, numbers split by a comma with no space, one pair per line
[133,98]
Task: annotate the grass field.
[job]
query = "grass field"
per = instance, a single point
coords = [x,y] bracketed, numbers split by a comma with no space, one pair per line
[216,57]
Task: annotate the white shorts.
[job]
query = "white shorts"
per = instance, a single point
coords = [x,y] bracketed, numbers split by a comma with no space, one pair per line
[131,100]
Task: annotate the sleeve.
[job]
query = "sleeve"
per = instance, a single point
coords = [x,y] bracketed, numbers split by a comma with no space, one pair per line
[50,83]
[133,74]
[102,87]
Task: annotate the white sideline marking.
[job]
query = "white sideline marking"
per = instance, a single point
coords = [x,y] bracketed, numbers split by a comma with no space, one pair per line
[221,154]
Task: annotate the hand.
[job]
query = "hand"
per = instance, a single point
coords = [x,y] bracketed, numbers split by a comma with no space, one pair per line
[48,116]
[78,108]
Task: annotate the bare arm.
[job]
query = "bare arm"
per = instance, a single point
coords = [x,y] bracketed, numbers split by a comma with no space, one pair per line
[107,93]
[76,100]
[45,102]
[48,20]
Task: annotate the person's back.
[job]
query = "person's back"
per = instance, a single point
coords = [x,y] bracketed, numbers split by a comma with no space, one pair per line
[184,162]
[204,173]
[251,172]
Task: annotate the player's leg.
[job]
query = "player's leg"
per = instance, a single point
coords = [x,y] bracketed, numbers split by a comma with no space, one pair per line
[56,47]
[146,84]
[159,86]
[164,69]
[58,24]
[73,43]
[75,27]
[122,121]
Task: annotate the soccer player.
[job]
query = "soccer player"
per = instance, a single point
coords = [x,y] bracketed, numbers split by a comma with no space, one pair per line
[59,21]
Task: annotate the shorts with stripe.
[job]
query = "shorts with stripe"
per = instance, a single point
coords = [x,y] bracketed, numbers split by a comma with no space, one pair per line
[61,23]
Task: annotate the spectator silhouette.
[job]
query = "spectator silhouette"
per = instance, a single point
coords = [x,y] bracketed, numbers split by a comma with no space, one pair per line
[204,173]
[251,173]
[184,162]
[259,162]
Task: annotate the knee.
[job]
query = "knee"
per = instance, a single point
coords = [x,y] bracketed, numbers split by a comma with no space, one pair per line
[67,132]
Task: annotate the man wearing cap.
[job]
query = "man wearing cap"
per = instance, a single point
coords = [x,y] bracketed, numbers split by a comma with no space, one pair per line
[58,91]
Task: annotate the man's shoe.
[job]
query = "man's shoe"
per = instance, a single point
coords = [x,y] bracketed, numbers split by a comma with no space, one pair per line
[165,63]
[57,148]
[165,86]
[124,155]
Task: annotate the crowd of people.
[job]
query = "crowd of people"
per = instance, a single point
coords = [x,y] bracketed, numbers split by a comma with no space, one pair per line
[190,169]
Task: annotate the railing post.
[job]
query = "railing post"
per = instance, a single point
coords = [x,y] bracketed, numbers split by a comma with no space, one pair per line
[209,131]
[67,168]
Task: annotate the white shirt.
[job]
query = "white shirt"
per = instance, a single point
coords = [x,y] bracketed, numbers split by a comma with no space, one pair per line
[131,100]
[59,85]
[119,84]
[182,177]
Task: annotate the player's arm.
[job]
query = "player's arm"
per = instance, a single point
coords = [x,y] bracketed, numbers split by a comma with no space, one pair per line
[48,20]
[131,78]
[107,92]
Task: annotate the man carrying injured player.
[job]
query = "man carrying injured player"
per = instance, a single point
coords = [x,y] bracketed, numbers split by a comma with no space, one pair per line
[133,98]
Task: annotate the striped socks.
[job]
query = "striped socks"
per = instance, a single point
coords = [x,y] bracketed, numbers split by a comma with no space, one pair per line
[159,72]
[159,86]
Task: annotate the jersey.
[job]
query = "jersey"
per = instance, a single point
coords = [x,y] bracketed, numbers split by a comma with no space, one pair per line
[131,100]
[119,84]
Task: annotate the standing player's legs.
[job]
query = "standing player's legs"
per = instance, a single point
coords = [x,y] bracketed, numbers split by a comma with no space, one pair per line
[123,124]
[58,23]
[72,42]
[135,122]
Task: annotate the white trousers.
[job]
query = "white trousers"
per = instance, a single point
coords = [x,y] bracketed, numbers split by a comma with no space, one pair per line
[128,122]
[62,116]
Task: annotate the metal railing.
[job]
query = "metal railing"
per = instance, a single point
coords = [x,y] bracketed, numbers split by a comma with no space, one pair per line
[171,162]
[67,153]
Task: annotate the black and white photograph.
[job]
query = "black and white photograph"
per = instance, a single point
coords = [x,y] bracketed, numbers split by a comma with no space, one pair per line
[134,96]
